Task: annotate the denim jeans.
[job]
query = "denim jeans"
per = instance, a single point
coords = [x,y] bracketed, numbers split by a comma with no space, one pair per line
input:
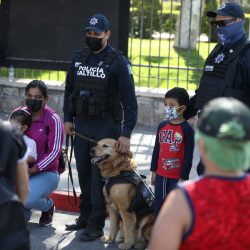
[41,186]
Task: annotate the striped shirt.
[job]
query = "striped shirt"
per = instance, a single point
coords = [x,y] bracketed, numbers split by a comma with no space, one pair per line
[47,160]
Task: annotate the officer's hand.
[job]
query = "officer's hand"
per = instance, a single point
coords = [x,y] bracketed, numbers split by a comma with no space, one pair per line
[122,145]
[69,128]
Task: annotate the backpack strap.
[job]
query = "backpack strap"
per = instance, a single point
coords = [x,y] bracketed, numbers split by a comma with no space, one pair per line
[6,141]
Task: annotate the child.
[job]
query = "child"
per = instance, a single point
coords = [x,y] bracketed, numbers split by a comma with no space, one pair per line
[174,145]
[22,119]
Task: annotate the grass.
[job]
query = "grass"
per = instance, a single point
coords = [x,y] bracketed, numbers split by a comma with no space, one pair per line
[162,66]
[49,75]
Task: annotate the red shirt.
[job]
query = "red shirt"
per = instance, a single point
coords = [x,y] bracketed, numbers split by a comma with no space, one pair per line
[221,213]
[173,150]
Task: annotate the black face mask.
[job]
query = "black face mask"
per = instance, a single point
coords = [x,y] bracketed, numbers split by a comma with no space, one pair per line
[33,104]
[94,43]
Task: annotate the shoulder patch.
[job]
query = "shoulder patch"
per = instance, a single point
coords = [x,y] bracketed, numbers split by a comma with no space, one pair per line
[129,69]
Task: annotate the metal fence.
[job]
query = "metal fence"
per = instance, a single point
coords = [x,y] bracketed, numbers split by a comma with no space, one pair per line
[169,41]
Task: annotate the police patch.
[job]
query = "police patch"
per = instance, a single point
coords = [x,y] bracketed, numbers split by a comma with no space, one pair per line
[209,68]
[219,58]
[77,64]
[129,69]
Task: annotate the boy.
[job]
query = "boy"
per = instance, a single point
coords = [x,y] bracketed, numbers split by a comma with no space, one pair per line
[174,145]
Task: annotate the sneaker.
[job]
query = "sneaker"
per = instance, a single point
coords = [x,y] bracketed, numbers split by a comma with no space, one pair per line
[47,217]
[79,224]
[90,233]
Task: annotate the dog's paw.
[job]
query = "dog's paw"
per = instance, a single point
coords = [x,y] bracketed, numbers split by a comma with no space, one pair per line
[120,238]
[107,239]
[140,245]
[125,246]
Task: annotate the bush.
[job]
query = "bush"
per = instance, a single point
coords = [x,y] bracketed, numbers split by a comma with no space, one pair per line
[151,8]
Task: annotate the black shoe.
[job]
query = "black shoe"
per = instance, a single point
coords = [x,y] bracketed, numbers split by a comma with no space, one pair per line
[90,233]
[47,217]
[79,224]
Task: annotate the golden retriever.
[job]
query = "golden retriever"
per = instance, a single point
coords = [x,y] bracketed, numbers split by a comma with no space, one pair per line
[111,163]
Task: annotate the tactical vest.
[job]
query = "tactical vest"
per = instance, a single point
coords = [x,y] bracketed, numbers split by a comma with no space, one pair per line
[143,201]
[95,95]
[218,77]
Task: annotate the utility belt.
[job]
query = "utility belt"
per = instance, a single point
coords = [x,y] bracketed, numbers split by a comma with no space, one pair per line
[94,105]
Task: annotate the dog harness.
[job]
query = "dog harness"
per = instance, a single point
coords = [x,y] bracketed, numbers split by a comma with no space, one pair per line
[143,201]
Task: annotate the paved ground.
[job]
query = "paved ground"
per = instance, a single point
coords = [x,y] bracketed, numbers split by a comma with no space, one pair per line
[55,237]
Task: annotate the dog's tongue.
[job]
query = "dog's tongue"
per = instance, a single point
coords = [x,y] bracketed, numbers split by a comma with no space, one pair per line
[98,159]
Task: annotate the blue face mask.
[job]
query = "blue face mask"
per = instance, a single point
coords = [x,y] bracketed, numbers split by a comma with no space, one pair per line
[170,113]
[231,33]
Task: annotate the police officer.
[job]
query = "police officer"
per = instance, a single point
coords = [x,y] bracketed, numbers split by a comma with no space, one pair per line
[99,102]
[227,68]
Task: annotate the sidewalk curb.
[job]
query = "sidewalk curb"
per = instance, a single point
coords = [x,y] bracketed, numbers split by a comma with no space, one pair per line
[65,201]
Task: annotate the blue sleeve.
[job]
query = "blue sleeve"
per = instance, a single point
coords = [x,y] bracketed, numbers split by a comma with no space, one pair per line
[69,87]
[243,69]
[155,155]
[188,151]
[128,97]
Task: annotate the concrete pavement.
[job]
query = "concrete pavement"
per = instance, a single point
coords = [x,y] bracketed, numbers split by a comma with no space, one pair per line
[55,237]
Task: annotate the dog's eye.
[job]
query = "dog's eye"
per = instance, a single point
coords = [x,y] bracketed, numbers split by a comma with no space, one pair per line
[105,146]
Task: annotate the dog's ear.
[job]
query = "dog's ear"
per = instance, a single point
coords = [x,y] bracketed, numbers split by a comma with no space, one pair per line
[130,154]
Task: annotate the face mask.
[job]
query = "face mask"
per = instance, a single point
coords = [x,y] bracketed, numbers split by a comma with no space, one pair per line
[33,104]
[231,33]
[170,113]
[94,43]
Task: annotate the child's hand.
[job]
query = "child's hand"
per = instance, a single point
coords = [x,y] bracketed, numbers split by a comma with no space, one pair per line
[153,178]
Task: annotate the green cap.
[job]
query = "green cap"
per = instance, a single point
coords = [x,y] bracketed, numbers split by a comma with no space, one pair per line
[225,118]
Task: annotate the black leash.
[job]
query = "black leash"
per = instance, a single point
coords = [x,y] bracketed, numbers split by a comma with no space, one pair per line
[68,159]
[86,138]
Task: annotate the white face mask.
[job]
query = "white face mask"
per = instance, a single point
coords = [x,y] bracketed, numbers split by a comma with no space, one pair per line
[170,113]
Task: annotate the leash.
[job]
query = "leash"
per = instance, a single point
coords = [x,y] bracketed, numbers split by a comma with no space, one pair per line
[68,160]
[145,183]
[86,138]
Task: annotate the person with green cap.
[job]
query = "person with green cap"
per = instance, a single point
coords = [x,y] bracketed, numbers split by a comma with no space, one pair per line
[212,212]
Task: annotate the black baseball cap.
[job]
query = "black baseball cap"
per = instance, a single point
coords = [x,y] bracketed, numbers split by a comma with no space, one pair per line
[98,23]
[228,9]
[225,118]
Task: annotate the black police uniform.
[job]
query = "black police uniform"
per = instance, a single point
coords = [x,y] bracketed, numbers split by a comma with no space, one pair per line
[226,74]
[100,100]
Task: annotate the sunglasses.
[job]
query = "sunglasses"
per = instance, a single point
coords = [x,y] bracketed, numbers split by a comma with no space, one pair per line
[222,23]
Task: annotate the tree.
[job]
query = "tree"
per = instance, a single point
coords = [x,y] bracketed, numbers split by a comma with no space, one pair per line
[188,24]
[144,17]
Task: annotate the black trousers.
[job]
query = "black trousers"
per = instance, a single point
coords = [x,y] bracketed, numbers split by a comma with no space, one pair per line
[92,206]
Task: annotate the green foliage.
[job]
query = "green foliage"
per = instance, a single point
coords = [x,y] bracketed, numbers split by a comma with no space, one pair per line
[144,17]
[158,16]
[156,64]
[205,27]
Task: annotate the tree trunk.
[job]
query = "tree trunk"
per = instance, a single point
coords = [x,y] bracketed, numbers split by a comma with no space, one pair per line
[188,24]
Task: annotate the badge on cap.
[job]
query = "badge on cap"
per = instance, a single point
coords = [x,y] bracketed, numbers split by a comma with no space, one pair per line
[93,21]
[222,6]
[219,58]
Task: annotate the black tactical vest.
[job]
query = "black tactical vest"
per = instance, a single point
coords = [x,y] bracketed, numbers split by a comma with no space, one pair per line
[218,77]
[95,95]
